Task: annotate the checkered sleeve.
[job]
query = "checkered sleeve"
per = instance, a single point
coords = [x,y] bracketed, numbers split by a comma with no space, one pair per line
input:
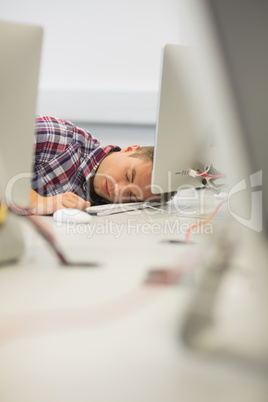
[65,157]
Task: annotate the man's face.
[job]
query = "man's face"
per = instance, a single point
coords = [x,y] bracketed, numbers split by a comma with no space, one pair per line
[121,178]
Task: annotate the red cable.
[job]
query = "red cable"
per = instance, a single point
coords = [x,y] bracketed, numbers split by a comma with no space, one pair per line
[187,236]
[211,176]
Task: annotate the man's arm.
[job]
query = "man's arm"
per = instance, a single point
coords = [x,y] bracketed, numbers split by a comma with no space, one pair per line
[48,205]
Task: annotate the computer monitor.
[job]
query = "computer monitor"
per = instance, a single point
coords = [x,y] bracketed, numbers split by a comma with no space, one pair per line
[20,52]
[186,139]
[230,38]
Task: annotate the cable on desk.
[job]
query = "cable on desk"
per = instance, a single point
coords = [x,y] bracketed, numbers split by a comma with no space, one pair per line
[44,231]
[47,235]
[41,228]
[187,236]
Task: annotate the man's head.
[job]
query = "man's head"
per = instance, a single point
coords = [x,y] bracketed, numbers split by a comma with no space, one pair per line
[125,176]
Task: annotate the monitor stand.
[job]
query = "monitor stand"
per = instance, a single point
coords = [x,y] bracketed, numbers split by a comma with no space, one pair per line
[11,240]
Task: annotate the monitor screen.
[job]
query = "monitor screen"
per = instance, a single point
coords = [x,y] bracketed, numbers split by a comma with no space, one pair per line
[230,38]
[186,141]
[20,52]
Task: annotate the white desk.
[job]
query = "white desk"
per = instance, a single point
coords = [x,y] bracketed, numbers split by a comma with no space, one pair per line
[101,334]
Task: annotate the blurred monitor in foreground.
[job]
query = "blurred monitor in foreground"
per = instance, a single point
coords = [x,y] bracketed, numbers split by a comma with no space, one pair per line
[20,52]
[230,40]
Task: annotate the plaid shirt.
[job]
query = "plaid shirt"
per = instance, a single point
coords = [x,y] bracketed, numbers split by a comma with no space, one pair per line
[66,158]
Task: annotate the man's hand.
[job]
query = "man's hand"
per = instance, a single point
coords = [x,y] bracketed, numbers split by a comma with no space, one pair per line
[48,205]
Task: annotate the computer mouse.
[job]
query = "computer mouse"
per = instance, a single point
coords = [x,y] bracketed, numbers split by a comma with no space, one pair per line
[68,215]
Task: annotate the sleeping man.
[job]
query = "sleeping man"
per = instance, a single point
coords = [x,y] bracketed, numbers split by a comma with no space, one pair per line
[73,170]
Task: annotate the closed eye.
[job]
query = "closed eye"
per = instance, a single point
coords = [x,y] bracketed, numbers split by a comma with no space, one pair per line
[133,174]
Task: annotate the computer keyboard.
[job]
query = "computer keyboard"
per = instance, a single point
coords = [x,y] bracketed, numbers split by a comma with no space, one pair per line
[109,209]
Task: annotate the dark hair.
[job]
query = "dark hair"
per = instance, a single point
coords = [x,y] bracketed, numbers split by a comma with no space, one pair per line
[146,153]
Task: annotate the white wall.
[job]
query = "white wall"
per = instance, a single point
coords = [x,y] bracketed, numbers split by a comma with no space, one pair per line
[101,58]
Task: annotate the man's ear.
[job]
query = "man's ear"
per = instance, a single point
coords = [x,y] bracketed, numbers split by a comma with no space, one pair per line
[131,148]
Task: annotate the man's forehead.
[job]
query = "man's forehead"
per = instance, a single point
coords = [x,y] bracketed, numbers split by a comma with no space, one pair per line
[143,164]
[143,171]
